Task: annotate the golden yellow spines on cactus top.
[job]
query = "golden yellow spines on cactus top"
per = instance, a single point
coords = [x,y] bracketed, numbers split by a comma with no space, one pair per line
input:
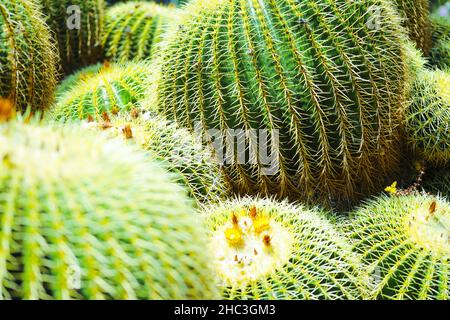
[316,77]
[84,217]
[269,250]
[28,57]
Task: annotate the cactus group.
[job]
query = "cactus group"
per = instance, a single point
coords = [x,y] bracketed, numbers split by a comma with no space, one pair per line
[404,243]
[314,77]
[269,250]
[428,116]
[134,29]
[27,56]
[85,217]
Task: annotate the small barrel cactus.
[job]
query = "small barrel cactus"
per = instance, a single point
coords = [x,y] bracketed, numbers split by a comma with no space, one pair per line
[77,25]
[83,217]
[183,154]
[440,51]
[28,56]
[133,30]
[269,250]
[107,89]
[404,242]
[428,116]
[311,90]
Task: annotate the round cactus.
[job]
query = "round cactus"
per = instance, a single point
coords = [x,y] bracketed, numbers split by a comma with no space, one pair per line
[311,90]
[78,25]
[83,217]
[27,56]
[133,30]
[428,116]
[269,250]
[404,242]
[183,154]
[99,90]
[440,51]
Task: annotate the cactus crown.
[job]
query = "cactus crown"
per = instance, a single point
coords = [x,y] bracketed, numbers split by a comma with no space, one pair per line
[322,83]
[27,56]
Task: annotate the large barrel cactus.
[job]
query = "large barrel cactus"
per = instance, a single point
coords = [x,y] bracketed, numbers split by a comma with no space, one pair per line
[428,116]
[133,30]
[28,57]
[404,242]
[311,91]
[269,250]
[77,25]
[82,217]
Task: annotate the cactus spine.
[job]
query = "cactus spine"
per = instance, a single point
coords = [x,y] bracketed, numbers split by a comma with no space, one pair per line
[404,242]
[27,56]
[269,250]
[134,29]
[312,75]
[78,25]
[75,203]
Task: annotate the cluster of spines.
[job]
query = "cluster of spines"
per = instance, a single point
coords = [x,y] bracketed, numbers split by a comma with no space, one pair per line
[27,56]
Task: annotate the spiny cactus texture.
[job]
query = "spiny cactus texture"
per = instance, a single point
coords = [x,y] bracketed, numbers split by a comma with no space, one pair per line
[77,25]
[27,56]
[133,30]
[404,242]
[195,166]
[428,116]
[417,20]
[269,250]
[312,84]
[113,88]
[74,79]
[84,217]
[440,51]
[438,181]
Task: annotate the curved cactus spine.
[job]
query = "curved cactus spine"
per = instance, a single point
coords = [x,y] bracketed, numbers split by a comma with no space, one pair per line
[428,116]
[269,250]
[133,30]
[107,89]
[78,25]
[83,217]
[313,76]
[27,56]
[404,244]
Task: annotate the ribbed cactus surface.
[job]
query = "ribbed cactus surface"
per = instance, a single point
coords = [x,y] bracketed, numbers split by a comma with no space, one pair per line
[83,217]
[311,89]
[269,250]
[77,25]
[98,90]
[404,242]
[428,116]
[27,56]
[134,29]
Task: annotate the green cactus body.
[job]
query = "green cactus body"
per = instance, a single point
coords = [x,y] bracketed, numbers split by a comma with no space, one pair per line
[70,200]
[78,26]
[111,89]
[440,51]
[269,250]
[404,242]
[134,29]
[183,154]
[428,116]
[27,56]
[438,182]
[417,20]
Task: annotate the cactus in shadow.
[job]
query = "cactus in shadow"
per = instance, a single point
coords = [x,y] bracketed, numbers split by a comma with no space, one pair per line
[440,51]
[27,56]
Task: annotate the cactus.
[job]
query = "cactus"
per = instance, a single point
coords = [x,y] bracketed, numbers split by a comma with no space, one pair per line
[404,242]
[269,250]
[437,182]
[134,29]
[77,25]
[428,116]
[316,77]
[27,56]
[179,149]
[113,88]
[440,51]
[417,20]
[75,206]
